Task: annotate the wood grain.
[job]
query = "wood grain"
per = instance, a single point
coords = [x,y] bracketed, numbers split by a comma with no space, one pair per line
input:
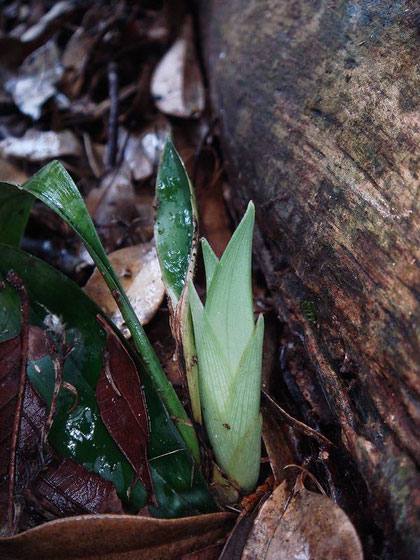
[317,109]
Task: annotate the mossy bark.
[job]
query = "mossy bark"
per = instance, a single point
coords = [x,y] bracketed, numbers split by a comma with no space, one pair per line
[317,108]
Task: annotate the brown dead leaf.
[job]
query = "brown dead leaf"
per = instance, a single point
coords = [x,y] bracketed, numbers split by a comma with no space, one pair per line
[117,537]
[11,173]
[142,150]
[309,526]
[65,488]
[36,79]
[139,273]
[36,145]
[177,85]
[112,206]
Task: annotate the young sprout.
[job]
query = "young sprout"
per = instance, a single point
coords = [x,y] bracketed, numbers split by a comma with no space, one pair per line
[229,350]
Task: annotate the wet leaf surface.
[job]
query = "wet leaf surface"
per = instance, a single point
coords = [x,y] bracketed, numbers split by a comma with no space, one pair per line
[44,487]
[176,232]
[57,304]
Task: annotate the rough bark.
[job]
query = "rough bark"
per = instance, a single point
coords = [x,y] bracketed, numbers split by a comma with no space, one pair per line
[316,102]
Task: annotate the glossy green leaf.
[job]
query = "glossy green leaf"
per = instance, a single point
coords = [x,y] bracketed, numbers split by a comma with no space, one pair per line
[81,434]
[176,222]
[176,229]
[54,186]
[15,206]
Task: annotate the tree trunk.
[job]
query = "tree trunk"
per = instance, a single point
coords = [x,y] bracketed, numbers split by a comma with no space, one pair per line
[316,102]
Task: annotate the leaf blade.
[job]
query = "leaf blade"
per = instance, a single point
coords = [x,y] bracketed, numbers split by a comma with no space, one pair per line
[47,288]
[54,186]
[229,304]
[15,207]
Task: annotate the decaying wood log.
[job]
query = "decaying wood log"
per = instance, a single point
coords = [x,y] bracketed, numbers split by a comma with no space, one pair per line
[317,107]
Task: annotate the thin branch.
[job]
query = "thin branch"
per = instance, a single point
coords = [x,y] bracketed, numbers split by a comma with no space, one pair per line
[299,426]
[18,285]
[113,116]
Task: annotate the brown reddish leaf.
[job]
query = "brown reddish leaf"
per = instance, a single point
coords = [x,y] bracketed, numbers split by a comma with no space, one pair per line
[31,420]
[65,488]
[117,537]
[139,273]
[122,407]
[308,525]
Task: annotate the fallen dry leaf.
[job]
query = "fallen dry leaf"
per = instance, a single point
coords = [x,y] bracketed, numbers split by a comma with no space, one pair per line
[36,79]
[143,150]
[122,407]
[112,206]
[177,85]
[11,174]
[139,273]
[308,527]
[117,537]
[65,488]
[36,145]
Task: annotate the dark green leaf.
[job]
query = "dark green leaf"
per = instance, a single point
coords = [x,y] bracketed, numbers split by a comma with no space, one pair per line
[54,186]
[81,434]
[15,206]
[176,222]
[176,232]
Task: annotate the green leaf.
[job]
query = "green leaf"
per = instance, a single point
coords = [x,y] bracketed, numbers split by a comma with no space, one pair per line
[215,376]
[176,222]
[176,233]
[229,348]
[54,186]
[229,306]
[81,434]
[210,261]
[15,206]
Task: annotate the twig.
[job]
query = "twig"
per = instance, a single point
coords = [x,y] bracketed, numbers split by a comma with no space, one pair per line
[91,156]
[113,116]
[18,285]
[299,426]
[58,364]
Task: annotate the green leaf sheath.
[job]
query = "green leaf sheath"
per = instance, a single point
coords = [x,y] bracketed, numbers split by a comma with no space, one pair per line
[229,306]
[176,242]
[229,348]
[15,206]
[81,434]
[54,186]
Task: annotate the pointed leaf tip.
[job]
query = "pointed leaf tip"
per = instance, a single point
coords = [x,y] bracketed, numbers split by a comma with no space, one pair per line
[229,304]
[210,261]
